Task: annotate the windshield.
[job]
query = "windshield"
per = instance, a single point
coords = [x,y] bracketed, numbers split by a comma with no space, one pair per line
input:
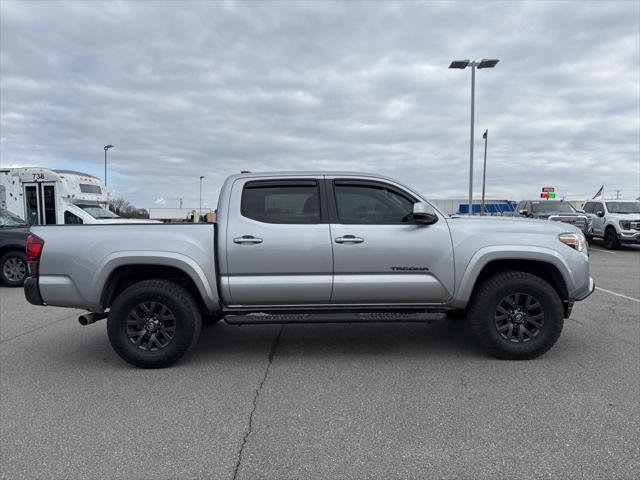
[623,207]
[556,207]
[8,219]
[98,212]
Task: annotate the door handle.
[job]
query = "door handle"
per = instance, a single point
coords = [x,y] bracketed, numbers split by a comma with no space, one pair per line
[349,239]
[247,240]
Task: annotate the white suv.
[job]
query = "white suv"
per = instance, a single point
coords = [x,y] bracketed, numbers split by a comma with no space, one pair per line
[615,221]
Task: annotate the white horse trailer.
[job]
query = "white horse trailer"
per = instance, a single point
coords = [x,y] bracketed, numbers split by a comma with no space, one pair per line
[44,196]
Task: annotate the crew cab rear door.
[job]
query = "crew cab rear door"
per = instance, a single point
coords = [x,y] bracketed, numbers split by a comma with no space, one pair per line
[380,255]
[278,246]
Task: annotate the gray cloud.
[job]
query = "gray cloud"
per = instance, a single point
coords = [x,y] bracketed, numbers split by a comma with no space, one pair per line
[201,88]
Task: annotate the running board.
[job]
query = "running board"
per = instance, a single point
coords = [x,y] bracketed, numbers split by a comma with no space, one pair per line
[265,318]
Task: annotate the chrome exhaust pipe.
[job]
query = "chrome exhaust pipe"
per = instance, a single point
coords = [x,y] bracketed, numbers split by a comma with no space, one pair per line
[91,317]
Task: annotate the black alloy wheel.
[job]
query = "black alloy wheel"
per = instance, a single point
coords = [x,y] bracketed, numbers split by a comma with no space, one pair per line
[154,323]
[151,326]
[519,317]
[516,315]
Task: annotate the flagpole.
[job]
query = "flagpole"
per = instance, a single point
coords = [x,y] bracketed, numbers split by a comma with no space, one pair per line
[484,170]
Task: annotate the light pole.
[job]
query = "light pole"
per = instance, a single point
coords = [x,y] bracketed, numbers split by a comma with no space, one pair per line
[485,135]
[201,177]
[462,64]
[106,147]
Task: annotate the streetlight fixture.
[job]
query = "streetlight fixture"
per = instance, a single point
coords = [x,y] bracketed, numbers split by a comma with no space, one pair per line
[106,147]
[462,64]
[201,177]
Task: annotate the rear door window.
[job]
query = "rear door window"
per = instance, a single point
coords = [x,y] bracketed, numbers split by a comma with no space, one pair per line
[285,202]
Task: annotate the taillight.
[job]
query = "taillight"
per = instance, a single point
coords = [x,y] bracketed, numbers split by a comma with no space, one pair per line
[34,250]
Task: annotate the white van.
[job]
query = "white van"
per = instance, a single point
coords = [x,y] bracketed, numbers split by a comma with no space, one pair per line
[45,196]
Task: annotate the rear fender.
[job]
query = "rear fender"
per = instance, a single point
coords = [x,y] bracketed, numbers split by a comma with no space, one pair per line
[205,283]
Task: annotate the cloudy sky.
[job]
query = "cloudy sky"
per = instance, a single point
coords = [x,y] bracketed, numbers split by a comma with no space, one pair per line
[203,88]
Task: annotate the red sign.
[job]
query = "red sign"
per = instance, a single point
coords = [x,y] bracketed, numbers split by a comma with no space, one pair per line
[544,195]
[548,189]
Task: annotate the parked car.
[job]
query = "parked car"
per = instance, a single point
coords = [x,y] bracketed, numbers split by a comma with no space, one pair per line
[13,240]
[615,221]
[554,210]
[309,247]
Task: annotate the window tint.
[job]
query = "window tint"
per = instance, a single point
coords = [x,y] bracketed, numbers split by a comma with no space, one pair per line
[623,207]
[71,219]
[588,207]
[551,207]
[49,200]
[365,204]
[597,207]
[287,202]
[88,188]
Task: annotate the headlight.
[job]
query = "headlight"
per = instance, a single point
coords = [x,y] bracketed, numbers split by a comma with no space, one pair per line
[574,240]
[625,224]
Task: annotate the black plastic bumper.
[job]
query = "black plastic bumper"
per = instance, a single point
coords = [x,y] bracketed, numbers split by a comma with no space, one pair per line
[31,291]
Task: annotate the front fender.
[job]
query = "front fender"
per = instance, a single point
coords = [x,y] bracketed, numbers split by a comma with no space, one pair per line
[489,254]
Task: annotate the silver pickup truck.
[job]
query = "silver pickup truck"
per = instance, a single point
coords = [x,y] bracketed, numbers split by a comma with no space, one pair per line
[313,247]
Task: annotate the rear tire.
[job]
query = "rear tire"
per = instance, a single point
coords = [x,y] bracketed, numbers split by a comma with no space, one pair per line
[611,241]
[13,268]
[154,323]
[516,315]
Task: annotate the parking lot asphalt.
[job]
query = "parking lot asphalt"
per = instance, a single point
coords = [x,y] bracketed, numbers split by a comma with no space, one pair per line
[327,401]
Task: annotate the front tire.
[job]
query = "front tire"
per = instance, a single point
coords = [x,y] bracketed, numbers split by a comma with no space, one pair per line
[13,268]
[611,241]
[516,315]
[153,323]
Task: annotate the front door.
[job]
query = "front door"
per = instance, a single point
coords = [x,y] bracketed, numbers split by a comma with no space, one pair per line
[40,203]
[278,244]
[380,255]
[596,221]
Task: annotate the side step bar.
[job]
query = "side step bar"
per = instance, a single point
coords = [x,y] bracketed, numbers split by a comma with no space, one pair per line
[264,318]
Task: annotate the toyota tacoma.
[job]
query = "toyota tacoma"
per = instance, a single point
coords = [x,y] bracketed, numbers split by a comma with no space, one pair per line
[313,247]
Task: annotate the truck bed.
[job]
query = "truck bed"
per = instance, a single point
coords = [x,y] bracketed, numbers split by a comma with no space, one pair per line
[78,261]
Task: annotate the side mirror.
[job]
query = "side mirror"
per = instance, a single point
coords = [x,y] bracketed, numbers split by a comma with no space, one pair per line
[524,212]
[600,213]
[423,214]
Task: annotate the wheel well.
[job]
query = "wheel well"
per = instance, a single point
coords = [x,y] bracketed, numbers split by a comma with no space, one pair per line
[544,270]
[123,277]
[11,248]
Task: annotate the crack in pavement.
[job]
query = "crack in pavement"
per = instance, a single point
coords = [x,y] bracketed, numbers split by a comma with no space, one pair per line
[272,353]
